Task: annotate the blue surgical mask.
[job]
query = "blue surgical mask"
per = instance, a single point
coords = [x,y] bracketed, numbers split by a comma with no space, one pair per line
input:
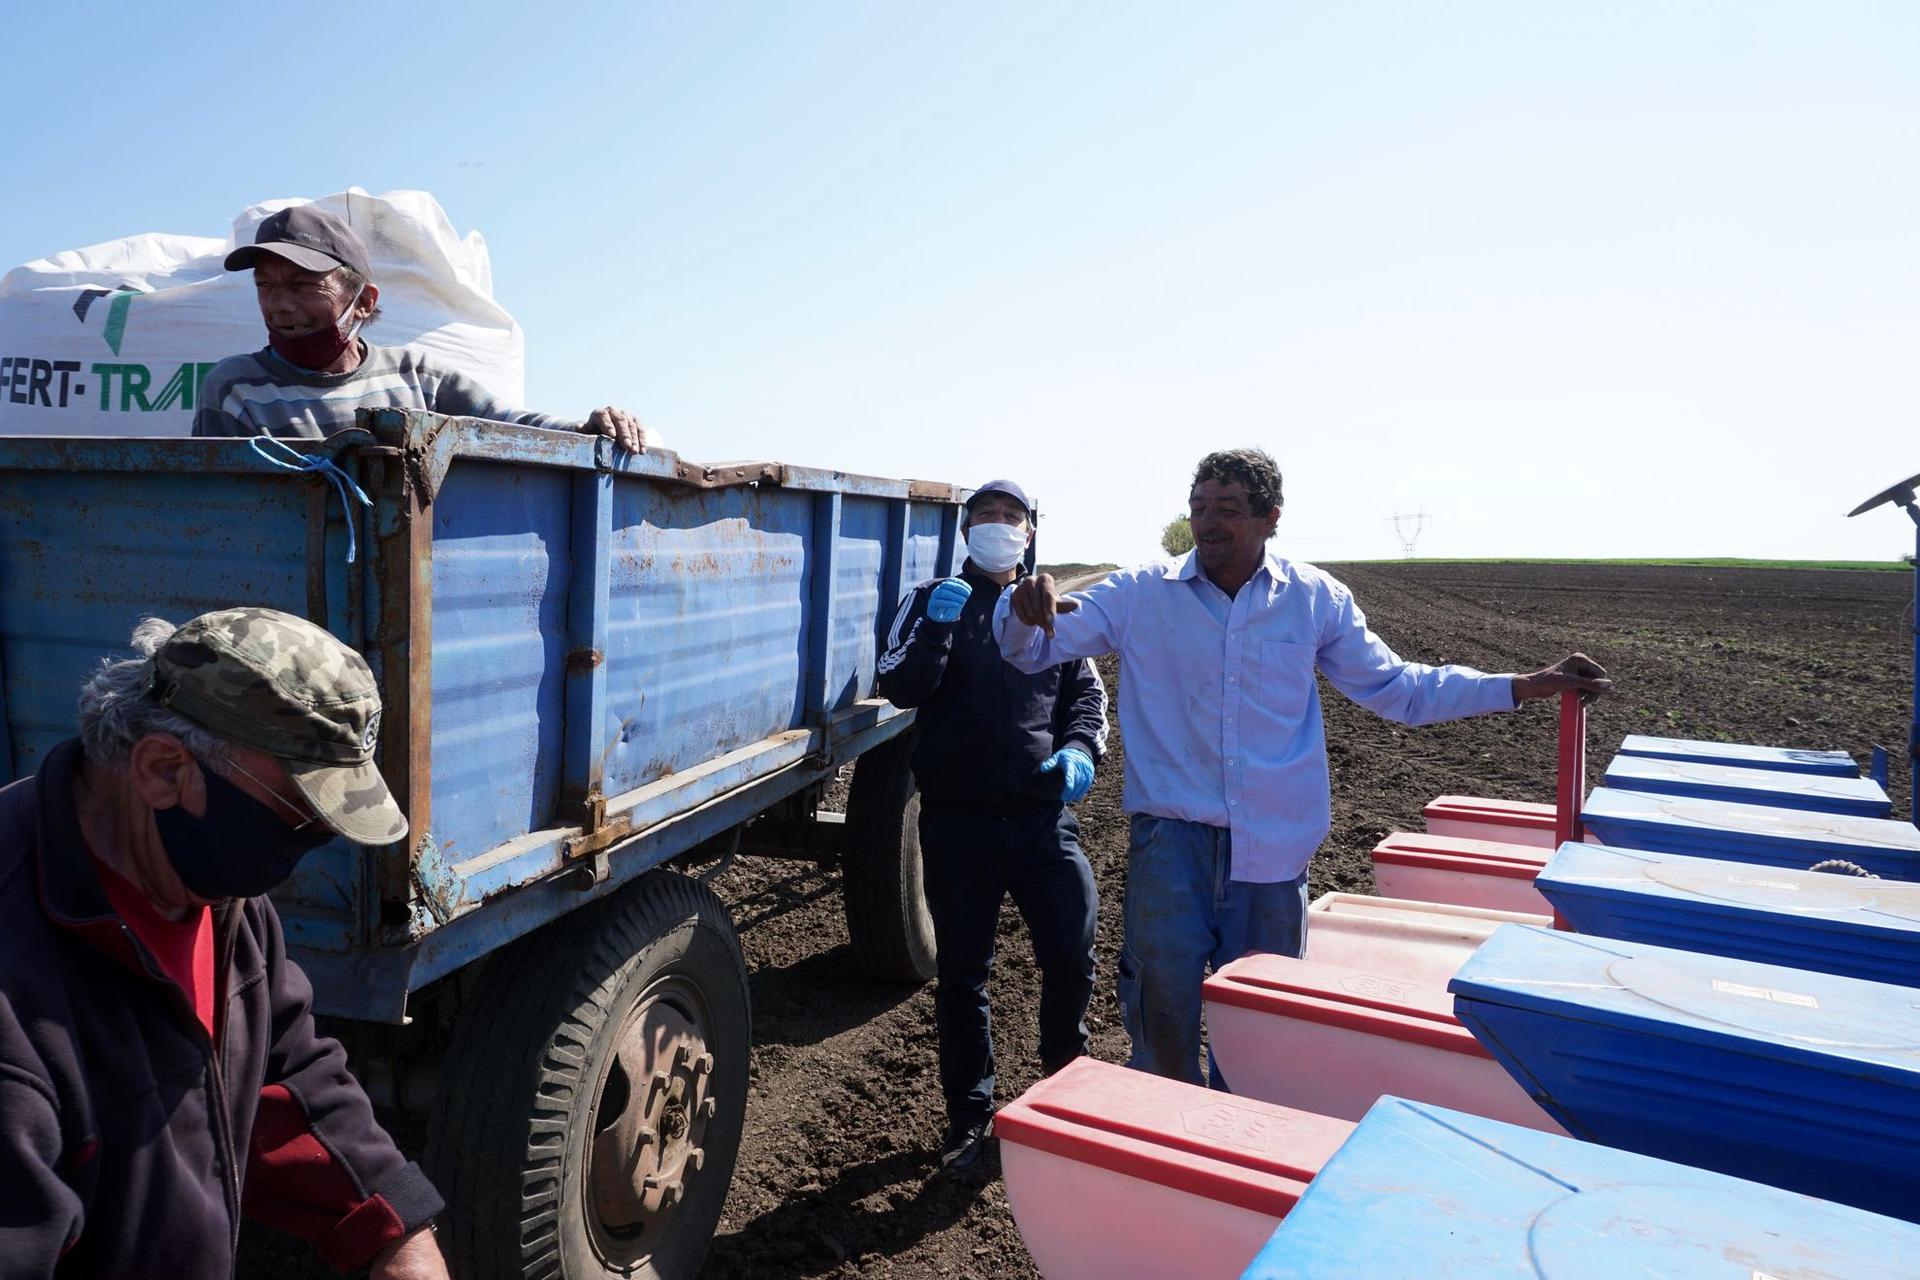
[996,547]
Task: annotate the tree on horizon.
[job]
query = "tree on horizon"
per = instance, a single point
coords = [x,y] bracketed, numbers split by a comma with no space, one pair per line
[1177,538]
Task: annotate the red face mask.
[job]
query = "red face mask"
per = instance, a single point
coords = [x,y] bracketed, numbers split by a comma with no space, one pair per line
[320,348]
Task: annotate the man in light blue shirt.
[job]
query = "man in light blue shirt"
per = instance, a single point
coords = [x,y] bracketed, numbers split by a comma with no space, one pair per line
[1226,779]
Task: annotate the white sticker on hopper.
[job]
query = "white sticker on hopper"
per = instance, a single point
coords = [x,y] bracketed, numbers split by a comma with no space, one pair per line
[1765,993]
[1783,885]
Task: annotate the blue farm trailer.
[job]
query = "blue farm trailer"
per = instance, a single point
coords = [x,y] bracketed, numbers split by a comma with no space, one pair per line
[600,671]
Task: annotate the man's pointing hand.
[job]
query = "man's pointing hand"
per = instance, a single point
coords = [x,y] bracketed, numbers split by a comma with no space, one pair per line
[1036,600]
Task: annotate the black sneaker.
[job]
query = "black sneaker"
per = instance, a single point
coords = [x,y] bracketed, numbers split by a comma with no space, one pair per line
[965,1144]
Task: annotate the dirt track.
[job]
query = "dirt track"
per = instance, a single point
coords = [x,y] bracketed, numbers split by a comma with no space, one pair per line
[834,1173]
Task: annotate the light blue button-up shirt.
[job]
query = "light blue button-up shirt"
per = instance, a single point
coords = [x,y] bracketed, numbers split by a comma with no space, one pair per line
[1218,702]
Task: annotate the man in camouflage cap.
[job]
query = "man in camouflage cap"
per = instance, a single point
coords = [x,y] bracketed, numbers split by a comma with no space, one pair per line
[279,684]
[140,1119]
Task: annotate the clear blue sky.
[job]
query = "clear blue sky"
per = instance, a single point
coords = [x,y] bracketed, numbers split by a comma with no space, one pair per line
[1574,279]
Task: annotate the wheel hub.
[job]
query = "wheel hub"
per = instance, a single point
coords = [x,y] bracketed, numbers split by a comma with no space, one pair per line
[649,1124]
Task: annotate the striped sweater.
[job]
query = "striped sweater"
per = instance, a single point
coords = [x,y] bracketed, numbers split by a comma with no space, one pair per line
[261,393]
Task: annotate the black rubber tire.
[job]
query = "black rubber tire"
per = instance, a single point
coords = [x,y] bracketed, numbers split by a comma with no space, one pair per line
[508,1141]
[886,899]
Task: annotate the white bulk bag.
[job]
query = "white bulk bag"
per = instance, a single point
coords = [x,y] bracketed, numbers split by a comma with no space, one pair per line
[115,339]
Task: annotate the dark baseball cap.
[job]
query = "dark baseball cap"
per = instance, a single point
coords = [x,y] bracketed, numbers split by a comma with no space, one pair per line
[307,236]
[1007,487]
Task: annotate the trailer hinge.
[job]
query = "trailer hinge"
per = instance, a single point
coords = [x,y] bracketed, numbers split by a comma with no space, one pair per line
[590,848]
[588,842]
[594,871]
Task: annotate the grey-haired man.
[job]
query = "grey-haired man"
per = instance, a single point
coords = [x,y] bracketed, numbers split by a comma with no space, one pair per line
[314,283]
[160,1075]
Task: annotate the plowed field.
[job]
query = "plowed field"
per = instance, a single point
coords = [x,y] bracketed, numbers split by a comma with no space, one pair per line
[835,1175]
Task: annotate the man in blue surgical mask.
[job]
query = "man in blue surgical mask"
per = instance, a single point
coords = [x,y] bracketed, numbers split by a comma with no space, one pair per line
[1000,756]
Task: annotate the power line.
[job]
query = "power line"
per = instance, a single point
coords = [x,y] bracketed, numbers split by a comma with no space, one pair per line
[1366,534]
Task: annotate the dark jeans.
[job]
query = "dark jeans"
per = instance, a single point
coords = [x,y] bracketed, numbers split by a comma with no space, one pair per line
[970,863]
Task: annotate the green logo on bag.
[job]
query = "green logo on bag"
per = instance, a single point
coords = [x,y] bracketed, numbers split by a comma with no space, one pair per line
[116,326]
[121,387]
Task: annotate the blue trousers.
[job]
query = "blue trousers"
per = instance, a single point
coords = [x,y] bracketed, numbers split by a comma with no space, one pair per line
[969,864]
[1184,915]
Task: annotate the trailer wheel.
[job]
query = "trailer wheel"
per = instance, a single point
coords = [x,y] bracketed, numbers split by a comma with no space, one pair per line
[886,899]
[591,1102]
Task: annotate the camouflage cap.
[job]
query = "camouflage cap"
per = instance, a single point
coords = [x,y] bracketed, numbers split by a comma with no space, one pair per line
[266,679]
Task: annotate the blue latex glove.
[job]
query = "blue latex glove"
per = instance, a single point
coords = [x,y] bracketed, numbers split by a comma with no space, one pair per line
[947,600]
[1076,772]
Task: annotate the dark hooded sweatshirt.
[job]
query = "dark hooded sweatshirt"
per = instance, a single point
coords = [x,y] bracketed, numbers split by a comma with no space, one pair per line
[131,1142]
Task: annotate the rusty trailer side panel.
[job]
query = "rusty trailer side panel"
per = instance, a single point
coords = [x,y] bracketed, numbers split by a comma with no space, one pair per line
[591,661]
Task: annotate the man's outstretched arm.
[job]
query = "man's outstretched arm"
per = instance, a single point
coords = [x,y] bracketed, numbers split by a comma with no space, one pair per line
[1361,665]
[1037,627]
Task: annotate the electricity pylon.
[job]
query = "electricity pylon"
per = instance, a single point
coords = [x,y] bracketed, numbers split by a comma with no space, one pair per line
[1407,527]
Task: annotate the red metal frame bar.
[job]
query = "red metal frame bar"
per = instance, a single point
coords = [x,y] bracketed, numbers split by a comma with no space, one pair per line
[1570,787]
[1570,791]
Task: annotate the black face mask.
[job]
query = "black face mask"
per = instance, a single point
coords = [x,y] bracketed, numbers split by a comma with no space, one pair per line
[240,849]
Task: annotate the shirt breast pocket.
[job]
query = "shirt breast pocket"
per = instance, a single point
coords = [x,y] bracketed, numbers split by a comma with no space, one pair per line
[1286,678]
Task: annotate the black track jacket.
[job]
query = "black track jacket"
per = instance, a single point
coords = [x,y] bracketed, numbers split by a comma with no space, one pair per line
[984,727]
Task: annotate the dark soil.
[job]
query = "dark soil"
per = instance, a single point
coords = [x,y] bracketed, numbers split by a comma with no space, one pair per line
[835,1175]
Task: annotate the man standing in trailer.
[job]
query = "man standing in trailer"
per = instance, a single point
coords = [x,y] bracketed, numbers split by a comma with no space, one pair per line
[1227,783]
[1001,754]
[315,286]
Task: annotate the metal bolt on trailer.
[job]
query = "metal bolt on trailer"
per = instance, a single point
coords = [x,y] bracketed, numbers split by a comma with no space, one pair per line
[595,667]
[1902,495]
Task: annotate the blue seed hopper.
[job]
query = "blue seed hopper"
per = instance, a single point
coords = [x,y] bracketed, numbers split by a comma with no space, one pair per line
[1800,1080]
[1857,928]
[1830,764]
[1737,784]
[1423,1191]
[1760,834]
